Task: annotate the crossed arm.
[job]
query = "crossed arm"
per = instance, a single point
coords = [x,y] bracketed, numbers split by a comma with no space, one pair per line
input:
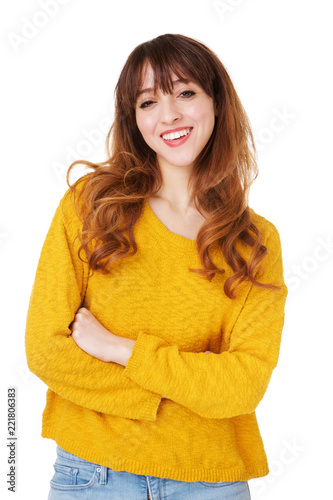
[94,339]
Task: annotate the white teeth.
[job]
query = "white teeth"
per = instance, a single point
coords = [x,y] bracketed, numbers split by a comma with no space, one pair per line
[176,135]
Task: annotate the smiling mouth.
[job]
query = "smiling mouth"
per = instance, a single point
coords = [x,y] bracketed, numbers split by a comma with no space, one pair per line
[175,136]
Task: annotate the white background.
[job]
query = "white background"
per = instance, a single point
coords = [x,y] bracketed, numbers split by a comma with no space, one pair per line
[58,76]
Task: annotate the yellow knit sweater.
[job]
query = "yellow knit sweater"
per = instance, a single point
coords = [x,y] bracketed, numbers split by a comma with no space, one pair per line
[174,411]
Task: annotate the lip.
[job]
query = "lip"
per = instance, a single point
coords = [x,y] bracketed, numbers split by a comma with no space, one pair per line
[174,130]
[177,142]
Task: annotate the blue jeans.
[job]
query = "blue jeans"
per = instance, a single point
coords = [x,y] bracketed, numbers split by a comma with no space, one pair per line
[76,478]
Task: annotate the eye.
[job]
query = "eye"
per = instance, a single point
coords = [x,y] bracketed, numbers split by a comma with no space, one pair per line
[189,93]
[185,93]
[145,104]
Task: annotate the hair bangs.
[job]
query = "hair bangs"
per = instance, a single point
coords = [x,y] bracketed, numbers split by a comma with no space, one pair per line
[165,61]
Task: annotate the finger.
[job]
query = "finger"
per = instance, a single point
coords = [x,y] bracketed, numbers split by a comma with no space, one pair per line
[75,335]
[84,310]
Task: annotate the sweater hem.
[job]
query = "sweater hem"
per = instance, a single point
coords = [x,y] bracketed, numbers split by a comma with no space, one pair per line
[157,470]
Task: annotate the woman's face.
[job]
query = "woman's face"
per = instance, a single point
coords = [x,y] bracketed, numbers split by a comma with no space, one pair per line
[176,126]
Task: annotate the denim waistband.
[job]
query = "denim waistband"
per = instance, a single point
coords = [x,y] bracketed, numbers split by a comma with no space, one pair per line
[70,456]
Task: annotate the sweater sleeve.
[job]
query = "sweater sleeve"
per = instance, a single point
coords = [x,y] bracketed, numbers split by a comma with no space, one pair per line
[52,354]
[232,382]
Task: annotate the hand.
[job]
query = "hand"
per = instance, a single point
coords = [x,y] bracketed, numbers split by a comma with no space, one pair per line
[93,338]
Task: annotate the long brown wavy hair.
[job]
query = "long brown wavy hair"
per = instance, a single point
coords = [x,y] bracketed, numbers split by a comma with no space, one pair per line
[114,192]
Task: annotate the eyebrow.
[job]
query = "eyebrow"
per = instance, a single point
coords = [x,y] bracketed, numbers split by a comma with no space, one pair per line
[175,82]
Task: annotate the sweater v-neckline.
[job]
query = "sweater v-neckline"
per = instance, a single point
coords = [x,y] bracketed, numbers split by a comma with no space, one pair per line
[163,231]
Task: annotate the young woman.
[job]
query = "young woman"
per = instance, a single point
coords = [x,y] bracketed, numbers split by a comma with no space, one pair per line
[158,304]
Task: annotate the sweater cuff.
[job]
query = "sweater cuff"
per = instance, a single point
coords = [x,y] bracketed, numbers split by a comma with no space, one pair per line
[139,365]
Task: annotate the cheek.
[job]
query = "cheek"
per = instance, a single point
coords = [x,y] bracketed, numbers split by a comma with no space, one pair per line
[204,115]
[145,124]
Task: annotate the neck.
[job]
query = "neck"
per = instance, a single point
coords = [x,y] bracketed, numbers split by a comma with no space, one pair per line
[174,189]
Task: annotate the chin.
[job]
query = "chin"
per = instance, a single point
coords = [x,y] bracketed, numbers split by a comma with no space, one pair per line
[183,162]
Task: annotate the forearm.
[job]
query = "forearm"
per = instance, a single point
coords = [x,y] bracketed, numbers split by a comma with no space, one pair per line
[123,352]
[94,339]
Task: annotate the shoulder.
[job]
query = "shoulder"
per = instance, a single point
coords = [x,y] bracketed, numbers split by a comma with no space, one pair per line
[69,213]
[267,228]
[270,239]
[74,200]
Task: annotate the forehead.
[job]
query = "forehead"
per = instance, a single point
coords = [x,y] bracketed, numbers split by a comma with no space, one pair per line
[148,76]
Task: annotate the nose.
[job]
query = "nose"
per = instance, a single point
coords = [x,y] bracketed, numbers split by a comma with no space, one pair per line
[169,111]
